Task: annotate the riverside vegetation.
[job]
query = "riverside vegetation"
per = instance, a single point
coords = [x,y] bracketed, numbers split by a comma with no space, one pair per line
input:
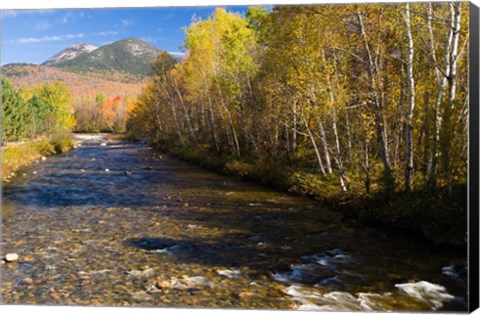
[363,106]
[35,123]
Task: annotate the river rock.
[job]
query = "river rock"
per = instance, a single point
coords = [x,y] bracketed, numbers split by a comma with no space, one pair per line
[44,158]
[141,273]
[163,284]
[229,273]
[27,281]
[244,295]
[262,277]
[11,257]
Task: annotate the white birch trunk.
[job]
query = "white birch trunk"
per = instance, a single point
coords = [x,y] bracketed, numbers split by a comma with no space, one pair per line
[411,101]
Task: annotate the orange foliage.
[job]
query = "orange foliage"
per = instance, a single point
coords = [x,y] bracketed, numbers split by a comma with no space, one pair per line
[120,91]
[80,84]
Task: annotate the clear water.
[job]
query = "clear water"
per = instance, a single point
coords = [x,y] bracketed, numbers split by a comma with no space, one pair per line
[155,231]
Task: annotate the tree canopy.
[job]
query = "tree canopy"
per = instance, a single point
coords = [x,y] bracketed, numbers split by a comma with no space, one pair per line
[340,92]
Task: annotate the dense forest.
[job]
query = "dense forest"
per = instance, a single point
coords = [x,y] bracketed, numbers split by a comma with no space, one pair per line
[51,109]
[42,111]
[99,113]
[100,101]
[343,102]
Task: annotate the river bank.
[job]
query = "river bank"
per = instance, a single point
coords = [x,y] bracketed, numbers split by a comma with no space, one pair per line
[432,215]
[21,154]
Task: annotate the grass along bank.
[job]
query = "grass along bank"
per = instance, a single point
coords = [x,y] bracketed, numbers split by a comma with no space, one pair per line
[432,215]
[20,154]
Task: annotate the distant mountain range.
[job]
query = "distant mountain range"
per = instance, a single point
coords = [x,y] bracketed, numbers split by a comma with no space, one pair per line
[119,68]
[130,55]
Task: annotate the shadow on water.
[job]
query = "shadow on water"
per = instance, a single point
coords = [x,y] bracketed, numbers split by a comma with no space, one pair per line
[106,176]
[221,252]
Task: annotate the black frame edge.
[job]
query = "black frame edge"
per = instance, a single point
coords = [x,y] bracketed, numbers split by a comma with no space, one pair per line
[473,259]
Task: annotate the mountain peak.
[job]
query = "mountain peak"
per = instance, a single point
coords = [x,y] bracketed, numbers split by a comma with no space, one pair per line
[130,55]
[85,46]
[71,52]
[135,46]
[131,39]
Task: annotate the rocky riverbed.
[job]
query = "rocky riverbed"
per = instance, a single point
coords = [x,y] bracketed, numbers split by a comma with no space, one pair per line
[113,223]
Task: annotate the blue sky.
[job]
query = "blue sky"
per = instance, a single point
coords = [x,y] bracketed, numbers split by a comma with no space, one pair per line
[33,36]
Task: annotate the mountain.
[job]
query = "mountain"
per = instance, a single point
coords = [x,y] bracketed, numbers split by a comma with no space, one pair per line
[130,55]
[83,84]
[69,53]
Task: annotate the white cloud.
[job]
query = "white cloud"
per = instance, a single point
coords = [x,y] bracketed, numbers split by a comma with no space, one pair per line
[42,25]
[105,33]
[67,18]
[15,13]
[41,12]
[167,16]
[126,23]
[71,17]
[176,53]
[33,40]
[9,13]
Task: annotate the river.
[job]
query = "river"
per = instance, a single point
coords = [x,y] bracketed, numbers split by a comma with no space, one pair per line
[112,223]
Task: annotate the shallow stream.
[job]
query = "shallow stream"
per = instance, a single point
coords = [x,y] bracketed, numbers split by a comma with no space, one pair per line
[111,223]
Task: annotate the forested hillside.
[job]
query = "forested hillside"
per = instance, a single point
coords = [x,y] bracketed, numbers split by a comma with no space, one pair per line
[104,81]
[99,99]
[343,102]
[130,55]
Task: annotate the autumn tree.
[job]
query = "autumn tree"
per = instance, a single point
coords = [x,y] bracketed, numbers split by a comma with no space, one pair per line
[58,95]
[353,98]
[42,116]
[220,52]
[15,113]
